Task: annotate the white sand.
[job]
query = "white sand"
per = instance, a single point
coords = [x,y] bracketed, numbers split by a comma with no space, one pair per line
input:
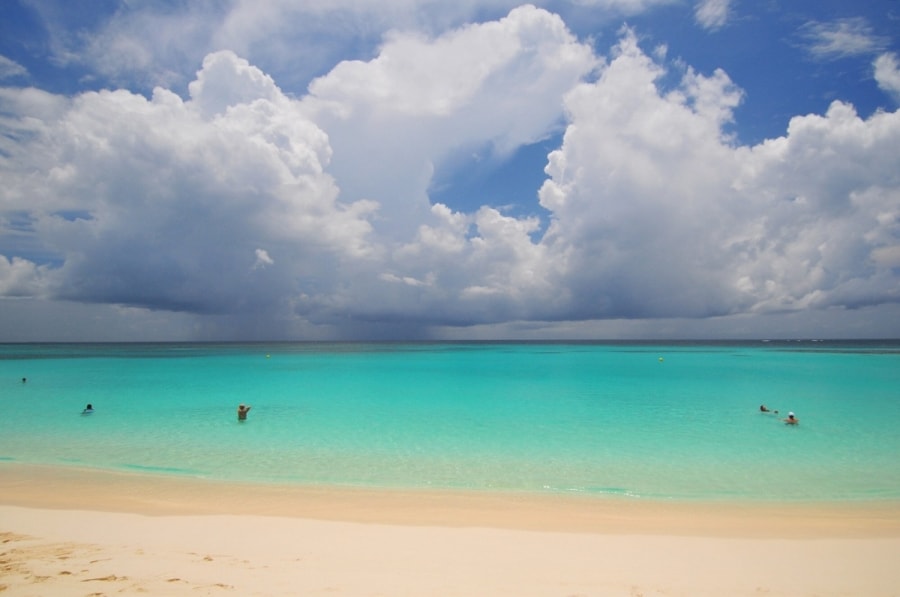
[95,534]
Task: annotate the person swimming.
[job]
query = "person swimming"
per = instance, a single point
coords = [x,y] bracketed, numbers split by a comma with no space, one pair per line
[89,409]
[242,412]
[791,419]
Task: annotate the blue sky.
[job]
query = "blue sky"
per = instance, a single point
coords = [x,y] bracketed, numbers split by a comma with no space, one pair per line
[421,169]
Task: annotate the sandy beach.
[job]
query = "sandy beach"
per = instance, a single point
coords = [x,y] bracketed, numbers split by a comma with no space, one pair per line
[73,532]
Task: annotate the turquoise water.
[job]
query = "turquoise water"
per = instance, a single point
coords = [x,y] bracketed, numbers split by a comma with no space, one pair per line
[664,421]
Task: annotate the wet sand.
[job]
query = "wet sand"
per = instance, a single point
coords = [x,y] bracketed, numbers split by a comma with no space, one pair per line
[74,532]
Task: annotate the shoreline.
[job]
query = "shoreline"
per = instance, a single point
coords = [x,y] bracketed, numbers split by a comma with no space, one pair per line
[69,531]
[69,488]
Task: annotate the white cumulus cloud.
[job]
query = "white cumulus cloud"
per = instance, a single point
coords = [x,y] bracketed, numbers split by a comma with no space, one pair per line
[887,74]
[241,204]
[161,203]
[659,215]
[493,86]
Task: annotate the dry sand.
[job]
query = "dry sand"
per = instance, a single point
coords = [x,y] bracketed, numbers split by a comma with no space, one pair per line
[69,532]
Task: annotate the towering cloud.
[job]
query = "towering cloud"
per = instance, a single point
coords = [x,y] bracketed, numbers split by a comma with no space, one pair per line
[242,202]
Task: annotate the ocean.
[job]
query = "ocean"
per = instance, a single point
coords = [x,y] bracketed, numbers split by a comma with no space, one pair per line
[644,420]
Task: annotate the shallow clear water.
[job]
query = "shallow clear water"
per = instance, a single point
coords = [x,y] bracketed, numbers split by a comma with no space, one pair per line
[651,420]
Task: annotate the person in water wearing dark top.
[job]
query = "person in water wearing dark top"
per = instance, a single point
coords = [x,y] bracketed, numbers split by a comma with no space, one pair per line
[765,409]
[88,409]
[791,419]
[242,412]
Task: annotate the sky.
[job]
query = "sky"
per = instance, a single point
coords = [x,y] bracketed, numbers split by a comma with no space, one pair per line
[216,170]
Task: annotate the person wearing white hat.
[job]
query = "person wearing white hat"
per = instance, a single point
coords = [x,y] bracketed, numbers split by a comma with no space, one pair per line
[791,419]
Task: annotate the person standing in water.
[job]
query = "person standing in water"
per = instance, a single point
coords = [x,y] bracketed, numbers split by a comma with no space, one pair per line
[791,419]
[88,410]
[242,412]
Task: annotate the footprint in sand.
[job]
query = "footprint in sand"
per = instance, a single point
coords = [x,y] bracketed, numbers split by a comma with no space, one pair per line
[7,537]
[38,578]
[109,578]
